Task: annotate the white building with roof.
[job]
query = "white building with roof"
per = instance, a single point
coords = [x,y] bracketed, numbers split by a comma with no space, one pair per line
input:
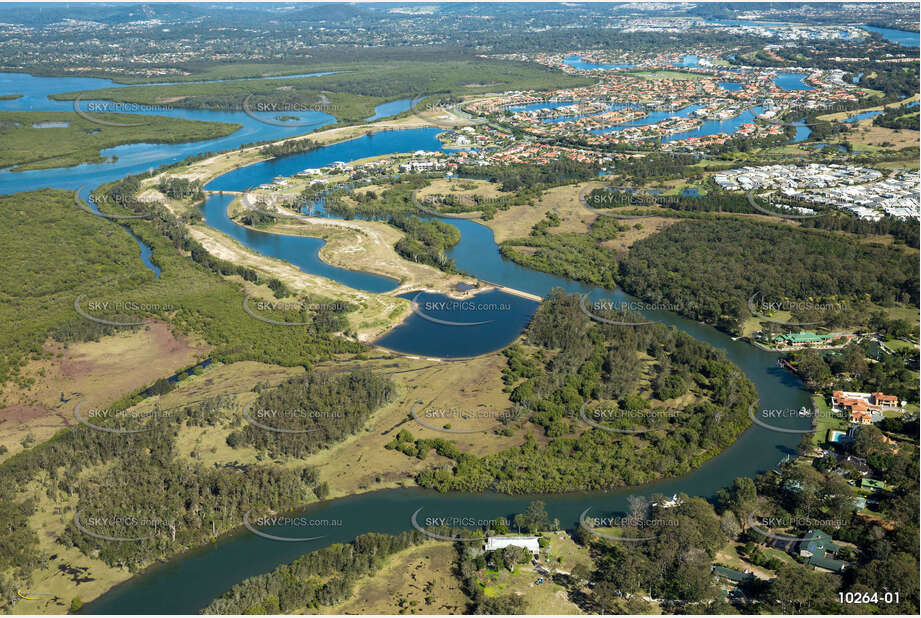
[501,542]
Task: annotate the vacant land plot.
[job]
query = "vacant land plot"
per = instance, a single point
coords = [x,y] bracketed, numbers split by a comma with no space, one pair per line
[418,580]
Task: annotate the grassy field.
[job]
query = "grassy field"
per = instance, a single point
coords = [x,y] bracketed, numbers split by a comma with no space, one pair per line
[27,145]
[100,371]
[825,421]
[70,573]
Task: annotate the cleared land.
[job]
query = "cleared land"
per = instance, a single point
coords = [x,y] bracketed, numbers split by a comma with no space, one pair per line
[94,371]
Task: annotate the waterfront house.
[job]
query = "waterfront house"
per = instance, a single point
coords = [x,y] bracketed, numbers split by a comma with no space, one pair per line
[501,542]
[863,408]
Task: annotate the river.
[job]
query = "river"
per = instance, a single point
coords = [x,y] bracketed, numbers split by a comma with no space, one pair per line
[189,582]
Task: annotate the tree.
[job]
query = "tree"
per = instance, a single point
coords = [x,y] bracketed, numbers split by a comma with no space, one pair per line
[76,604]
[534,518]
[729,524]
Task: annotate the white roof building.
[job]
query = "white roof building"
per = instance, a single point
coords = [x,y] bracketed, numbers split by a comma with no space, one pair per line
[501,542]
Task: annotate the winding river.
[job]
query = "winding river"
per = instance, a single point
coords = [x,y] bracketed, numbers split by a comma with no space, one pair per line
[189,582]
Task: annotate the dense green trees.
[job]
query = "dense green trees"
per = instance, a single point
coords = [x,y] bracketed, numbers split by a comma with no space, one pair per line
[900,117]
[578,361]
[710,269]
[674,564]
[313,411]
[141,480]
[425,241]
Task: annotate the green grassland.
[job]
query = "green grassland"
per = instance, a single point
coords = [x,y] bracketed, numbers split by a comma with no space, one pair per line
[352,95]
[28,147]
[10,97]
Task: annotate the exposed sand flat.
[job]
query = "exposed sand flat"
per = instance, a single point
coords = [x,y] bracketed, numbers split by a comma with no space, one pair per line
[367,246]
[376,313]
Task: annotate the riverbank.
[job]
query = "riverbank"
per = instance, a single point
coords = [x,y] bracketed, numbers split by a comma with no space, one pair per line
[374,315]
[365,246]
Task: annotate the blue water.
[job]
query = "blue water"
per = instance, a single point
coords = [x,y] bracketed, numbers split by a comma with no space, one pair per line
[856,79]
[712,127]
[578,63]
[651,118]
[302,251]
[839,147]
[186,584]
[791,81]
[902,37]
[145,252]
[385,142]
[506,316]
[189,582]
[912,104]
[391,108]
[731,86]
[611,107]
[802,132]
[863,116]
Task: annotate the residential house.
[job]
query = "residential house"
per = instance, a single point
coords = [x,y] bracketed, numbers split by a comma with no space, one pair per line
[500,542]
[863,408]
[819,551]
